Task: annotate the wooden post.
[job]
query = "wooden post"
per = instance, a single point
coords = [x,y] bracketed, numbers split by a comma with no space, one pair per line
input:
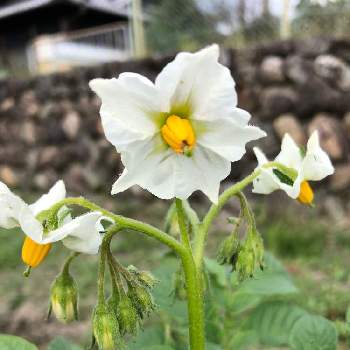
[285,21]
[139,41]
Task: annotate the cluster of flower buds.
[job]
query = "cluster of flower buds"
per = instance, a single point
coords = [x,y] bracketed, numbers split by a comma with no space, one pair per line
[244,255]
[250,255]
[131,300]
[64,297]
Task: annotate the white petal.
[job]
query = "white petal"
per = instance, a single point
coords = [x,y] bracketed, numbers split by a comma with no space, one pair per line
[20,213]
[167,174]
[266,182]
[226,137]
[290,154]
[4,188]
[130,104]
[7,219]
[199,81]
[56,194]
[82,234]
[203,171]
[316,164]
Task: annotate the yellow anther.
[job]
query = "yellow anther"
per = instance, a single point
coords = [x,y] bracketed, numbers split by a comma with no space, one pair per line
[33,253]
[306,195]
[178,134]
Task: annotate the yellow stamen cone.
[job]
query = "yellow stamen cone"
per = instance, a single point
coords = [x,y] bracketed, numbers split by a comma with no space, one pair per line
[306,195]
[178,134]
[33,253]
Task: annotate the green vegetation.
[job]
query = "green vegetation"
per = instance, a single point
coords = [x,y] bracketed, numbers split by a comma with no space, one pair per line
[304,290]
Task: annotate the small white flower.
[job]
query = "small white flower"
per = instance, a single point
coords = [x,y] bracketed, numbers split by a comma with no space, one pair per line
[314,165]
[81,234]
[179,134]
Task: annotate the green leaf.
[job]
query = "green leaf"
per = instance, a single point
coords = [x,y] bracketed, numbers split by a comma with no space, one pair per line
[148,338]
[274,321]
[10,342]
[269,284]
[313,333]
[212,346]
[243,340]
[159,347]
[61,343]
[218,271]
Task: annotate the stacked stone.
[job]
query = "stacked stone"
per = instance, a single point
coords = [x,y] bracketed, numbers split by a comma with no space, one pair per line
[50,128]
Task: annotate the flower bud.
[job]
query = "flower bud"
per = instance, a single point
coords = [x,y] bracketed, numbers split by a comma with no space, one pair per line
[143,277]
[106,328]
[250,256]
[228,250]
[142,299]
[127,316]
[64,298]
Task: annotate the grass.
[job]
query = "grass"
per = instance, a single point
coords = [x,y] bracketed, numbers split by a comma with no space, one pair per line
[312,250]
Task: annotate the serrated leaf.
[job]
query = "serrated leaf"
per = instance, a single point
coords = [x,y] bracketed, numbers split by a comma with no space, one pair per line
[313,333]
[61,343]
[273,322]
[10,342]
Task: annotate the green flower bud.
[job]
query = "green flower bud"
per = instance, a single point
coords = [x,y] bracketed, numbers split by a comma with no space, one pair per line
[142,299]
[143,277]
[127,316]
[106,328]
[228,250]
[250,256]
[64,298]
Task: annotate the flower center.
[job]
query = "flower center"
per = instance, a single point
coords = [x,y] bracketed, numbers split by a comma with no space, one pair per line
[306,195]
[179,135]
[33,253]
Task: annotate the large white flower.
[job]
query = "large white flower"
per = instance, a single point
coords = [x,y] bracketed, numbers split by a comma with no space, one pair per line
[81,234]
[312,165]
[179,134]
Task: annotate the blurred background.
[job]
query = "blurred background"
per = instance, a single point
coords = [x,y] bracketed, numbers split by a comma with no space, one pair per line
[291,63]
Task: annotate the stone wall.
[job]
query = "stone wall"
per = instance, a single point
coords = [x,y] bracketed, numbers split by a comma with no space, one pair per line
[50,129]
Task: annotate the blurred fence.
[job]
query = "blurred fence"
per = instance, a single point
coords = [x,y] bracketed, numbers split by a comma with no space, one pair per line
[51,53]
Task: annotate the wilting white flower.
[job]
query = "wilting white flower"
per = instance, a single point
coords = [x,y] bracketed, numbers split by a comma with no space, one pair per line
[312,165]
[81,234]
[179,134]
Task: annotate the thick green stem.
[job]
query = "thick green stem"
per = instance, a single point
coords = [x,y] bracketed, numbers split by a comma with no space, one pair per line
[195,303]
[181,218]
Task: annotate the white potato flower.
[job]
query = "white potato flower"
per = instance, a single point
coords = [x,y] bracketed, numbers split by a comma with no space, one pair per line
[81,234]
[179,134]
[313,164]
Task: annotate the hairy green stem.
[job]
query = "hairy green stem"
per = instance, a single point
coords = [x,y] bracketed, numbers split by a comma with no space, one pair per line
[181,218]
[201,237]
[124,222]
[67,263]
[195,303]
[102,264]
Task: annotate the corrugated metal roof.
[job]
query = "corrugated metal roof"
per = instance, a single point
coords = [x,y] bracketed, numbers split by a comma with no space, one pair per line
[117,7]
